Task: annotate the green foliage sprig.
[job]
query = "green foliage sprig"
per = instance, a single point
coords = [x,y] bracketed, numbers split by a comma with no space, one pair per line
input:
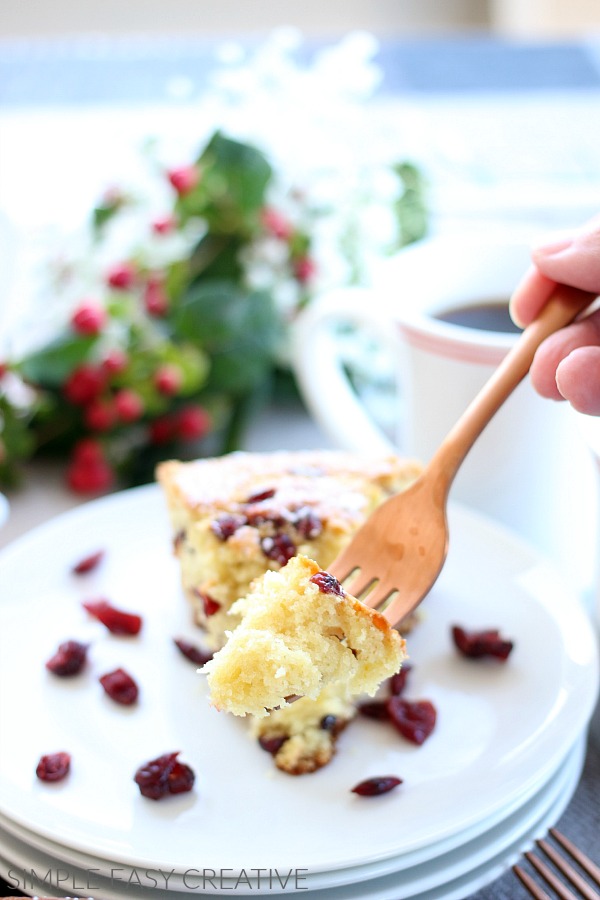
[171,358]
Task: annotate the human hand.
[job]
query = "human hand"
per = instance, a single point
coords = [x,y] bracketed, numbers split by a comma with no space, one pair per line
[567,364]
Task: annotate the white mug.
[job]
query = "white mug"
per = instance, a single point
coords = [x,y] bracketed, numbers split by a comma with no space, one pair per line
[530,469]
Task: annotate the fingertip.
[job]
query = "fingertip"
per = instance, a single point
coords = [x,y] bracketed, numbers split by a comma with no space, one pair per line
[578,380]
[530,295]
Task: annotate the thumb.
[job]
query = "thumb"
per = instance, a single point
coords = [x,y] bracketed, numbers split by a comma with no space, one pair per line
[573,258]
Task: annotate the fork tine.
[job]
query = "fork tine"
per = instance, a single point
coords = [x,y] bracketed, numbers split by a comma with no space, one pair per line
[359,583]
[584,861]
[550,878]
[378,595]
[584,888]
[532,886]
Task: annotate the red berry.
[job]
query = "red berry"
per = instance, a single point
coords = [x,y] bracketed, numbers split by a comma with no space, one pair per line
[88,563]
[84,384]
[415,720]
[156,300]
[184,179]
[3,369]
[224,526]
[100,415]
[88,451]
[115,362]
[116,620]
[69,659]
[304,269]
[121,276]
[129,405]
[380,784]
[209,604]
[91,477]
[53,766]
[164,775]
[275,223]
[120,687]
[398,681]
[272,744]
[89,318]
[478,644]
[162,430]
[168,379]
[279,548]
[374,709]
[193,422]
[328,584]
[193,653]
[164,225]
[181,779]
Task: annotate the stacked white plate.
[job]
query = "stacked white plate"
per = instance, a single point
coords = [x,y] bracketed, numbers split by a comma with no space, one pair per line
[499,768]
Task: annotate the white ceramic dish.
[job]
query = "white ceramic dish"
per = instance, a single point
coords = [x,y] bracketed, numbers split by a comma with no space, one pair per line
[455,876]
[502,729]
[450,852]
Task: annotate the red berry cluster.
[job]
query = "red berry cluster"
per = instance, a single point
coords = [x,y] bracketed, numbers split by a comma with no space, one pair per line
[110,395]
[166,327]
[277,225]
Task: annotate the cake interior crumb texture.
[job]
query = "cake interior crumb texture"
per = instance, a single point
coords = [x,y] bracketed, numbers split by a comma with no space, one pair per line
[295,639]
[237,516]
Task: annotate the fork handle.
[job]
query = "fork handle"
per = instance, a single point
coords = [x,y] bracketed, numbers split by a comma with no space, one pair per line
[563,307]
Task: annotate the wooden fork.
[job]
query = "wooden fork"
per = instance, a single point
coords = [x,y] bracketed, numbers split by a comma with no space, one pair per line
[585,889]
[397,555]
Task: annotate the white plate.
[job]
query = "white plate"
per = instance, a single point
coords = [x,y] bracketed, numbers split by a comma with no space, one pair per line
[433,862]
[501,730]
[458,874]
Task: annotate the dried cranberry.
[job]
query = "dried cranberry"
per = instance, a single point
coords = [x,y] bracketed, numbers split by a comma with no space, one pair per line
[88,563]
[327,584]
[398,681]
[380,784]
[69,659]
[181,779]
[224,527]
[258,515]
[53,766]
[375,709]
[261,495]
[307,523]
[272,744]
[209,604]
[415,720]
[116,620]
[478,644]
[193,653]
[120,687]
[279,548]
[153,777]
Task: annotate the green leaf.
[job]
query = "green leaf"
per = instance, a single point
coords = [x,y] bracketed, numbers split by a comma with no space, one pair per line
[51,365]
[244,170]
[411,208]
[216,256]
[239,330]
[231,191]
[16,441]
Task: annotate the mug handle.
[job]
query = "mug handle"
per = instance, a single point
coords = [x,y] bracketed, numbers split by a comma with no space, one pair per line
[320,374]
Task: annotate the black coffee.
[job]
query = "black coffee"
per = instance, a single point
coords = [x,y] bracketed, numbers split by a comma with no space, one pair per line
[493,316]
